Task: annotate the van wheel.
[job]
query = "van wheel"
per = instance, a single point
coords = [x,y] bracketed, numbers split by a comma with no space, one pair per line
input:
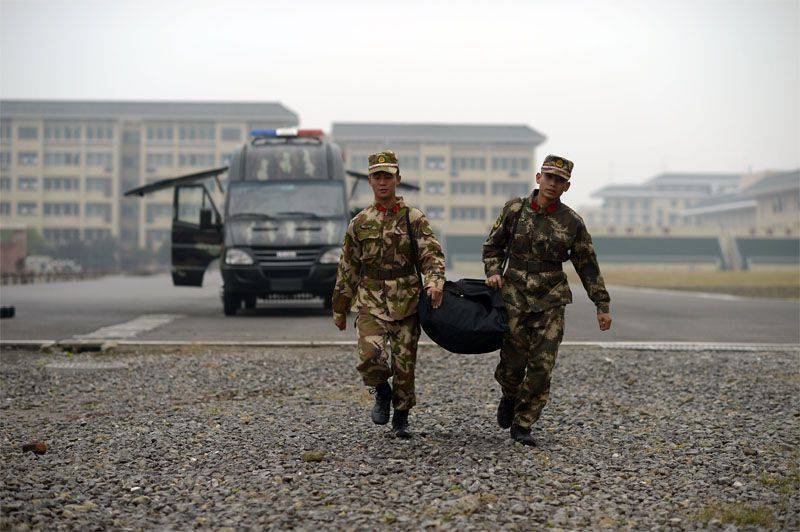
[250,302]
[230,303]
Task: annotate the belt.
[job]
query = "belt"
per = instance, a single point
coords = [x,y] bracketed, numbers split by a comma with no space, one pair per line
[534,266]
[386,274]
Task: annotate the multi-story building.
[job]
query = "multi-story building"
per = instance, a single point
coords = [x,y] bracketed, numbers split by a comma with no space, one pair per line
[465,172]
[64,165]
[657,204]
[767,202]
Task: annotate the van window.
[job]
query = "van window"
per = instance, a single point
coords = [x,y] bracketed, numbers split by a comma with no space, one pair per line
[286,161]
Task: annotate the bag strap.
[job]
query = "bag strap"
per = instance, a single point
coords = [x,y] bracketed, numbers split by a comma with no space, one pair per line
[414,249]
[513,234]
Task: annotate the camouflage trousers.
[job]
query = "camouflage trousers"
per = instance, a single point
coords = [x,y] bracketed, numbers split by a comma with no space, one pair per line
[527,358]
[386,349]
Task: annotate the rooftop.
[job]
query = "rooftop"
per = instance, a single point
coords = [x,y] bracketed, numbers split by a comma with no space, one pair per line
[772,183]
[403,132]
[86,109]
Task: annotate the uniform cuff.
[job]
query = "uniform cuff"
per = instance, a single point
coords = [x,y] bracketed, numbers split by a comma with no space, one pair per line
[603,309]
[341,304]
[435,282]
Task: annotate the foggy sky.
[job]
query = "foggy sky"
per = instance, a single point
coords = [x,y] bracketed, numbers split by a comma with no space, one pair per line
[625,89]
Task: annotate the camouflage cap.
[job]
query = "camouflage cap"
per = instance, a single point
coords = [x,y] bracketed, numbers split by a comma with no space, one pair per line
[383,161]
[554,164]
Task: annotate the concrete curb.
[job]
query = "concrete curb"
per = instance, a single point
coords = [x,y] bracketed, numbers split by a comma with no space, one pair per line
[106,345]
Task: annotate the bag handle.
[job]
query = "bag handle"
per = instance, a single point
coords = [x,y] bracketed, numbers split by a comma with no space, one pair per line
[414,249]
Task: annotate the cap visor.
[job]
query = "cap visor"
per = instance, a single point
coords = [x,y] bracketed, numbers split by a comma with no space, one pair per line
[388,168]
[555,171]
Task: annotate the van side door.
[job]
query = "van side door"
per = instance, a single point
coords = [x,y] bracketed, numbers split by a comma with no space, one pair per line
[197,234]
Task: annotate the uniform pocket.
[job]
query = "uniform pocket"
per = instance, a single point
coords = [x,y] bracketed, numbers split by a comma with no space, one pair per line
[369,238]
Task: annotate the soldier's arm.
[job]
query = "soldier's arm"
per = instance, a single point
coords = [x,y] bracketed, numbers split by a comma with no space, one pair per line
[431,255]
[494,248]
[584,259]
[347,274]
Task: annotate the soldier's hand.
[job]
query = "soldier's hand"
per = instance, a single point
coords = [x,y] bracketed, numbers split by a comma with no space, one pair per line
[340,321]
[495,281]
[436,296]
[604,320]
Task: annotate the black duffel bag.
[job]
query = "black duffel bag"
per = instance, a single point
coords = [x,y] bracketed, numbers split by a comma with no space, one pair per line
[472,318]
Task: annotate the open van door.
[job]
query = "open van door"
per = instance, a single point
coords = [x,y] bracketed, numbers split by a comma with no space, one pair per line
[196,234]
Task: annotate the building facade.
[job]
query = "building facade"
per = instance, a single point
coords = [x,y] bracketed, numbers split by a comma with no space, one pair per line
[465,172]
[65,165]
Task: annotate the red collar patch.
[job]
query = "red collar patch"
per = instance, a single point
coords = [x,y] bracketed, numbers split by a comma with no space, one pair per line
[394,209]
[549,209]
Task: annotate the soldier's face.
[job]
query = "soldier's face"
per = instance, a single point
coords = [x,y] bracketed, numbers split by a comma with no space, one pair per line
[384,185]
[551,186]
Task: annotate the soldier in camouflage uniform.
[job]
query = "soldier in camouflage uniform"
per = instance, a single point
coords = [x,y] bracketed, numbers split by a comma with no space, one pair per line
[376,277]
[535,291]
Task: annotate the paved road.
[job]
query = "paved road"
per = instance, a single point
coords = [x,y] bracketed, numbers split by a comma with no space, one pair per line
[58,311]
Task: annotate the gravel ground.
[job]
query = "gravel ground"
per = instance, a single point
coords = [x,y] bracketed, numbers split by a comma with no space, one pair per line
[282,439]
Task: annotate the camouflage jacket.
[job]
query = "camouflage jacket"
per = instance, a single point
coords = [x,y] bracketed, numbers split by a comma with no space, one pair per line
[376,239]
[556,234]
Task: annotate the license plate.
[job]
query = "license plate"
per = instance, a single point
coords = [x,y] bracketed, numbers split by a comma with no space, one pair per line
[286,285]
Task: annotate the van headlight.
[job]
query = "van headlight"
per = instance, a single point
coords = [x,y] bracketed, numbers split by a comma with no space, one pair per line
[237,257]
[332,256]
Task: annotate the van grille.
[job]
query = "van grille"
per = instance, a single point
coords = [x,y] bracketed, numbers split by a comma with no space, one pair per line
[287,257]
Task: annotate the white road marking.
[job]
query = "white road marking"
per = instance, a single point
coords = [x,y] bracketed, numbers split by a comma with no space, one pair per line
[129,329]
[689,293]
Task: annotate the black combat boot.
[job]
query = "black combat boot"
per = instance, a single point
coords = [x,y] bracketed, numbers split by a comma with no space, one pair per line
[400,424]
[522,435]
[505,412]
[383,399]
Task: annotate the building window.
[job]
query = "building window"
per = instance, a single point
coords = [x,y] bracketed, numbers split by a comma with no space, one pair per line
[409,162]
[510,189]
[99,132]
[96,234]
[100,159]
[5,208]
[99,210]
[468,163]
[434,162]
[435,212]
[54,131]
[62,183]
[5,183]
[200,133]
[5,131]
[467,213]
[159,134]
[99,184]
[61,209]
[27,183]
[158,160]
[434,188]
[777,204]
[130,137]
[413,183]
[59,158]
[27,133]
[5,160]
[468,188]
[496,212]
[61,235]
[196,160]
[359,162]
[231,134]
[27,158]
[512,165]
[27,208]
[158,210]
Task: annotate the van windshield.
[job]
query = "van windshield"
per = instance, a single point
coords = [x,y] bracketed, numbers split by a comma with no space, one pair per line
[286,161]
[286,199]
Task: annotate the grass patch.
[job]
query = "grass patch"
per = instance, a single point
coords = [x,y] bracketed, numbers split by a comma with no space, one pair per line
[738,514]
[772,284]
[785,485]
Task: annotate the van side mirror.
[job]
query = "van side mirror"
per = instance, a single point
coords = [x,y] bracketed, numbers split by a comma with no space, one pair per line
[205,219]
